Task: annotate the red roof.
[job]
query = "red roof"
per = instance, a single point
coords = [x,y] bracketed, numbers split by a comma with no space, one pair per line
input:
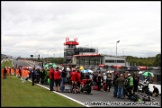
[142,67]
[101,65]
[84,55]
[71,43]
[118,66]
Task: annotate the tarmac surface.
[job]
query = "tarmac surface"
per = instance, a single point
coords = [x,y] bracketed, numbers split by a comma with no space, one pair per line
[99,98]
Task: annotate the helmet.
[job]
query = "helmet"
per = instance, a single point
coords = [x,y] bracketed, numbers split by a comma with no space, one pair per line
[129,74]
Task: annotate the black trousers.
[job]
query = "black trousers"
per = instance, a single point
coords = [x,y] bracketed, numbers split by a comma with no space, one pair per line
[5,75]
[33,78]
[130,90]
[51,84]
[108,86]
[99,85]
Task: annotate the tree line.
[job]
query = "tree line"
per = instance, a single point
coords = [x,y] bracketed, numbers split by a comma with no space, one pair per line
[139,61]
[149,61]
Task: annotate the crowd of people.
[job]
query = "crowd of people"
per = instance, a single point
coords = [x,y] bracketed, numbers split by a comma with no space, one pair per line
[124,85]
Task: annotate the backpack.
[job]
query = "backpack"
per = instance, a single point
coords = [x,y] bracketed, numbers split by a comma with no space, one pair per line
[63,74]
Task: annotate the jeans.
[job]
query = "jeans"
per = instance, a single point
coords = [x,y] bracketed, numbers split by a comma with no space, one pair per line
[63,81]
[115,90]
[120,92]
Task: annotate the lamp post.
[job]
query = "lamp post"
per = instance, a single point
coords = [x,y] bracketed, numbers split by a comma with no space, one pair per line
[116,52]
[54,57]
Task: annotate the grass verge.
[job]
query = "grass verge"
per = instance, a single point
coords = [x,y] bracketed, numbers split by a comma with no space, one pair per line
[14,93]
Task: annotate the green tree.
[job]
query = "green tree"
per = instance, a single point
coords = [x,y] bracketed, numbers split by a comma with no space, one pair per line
[157,61]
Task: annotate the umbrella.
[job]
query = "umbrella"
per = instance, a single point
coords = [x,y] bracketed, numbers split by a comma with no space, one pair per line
[54,65]
[38,67]
[146,73]
[50,65]
[110,71]
[30,67]
[87,71]
[67,69]
[81,68]
[46,66]
[140,72]
[133,68]
[25,67]
[101,69]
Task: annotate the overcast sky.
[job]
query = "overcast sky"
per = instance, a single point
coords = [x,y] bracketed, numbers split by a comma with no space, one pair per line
[32,28]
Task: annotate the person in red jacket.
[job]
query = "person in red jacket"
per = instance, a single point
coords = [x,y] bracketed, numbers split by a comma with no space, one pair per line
[51,76]
[73,78]
[78,79]
[57,78]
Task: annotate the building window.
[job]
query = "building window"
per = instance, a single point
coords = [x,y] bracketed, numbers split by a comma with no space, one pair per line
[92,62]
[82,61]
[110,61]
[114,61]
[97,61]
[120,61]
[86,61]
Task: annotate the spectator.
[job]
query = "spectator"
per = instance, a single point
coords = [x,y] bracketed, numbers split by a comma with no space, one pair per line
[33,75]
[8,71]
[99,80]
[4,73]
[20,71]
[145,88]
[130,85]
[78,79]
[135,82]
[57,78]
[51,76]
[12,71]
[115,85]
[73,78]
[108,82]
[94,79]
[63,79]
[155,91]
[120,82]
[23,75]
[17,72]
[44,74]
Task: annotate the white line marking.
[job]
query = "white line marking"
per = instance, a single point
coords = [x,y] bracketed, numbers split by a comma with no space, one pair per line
[63,95]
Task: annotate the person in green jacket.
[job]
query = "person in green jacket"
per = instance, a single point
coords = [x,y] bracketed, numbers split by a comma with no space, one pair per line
[130,85]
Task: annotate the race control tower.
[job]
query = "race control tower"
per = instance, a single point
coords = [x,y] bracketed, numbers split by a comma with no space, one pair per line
[70,45]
